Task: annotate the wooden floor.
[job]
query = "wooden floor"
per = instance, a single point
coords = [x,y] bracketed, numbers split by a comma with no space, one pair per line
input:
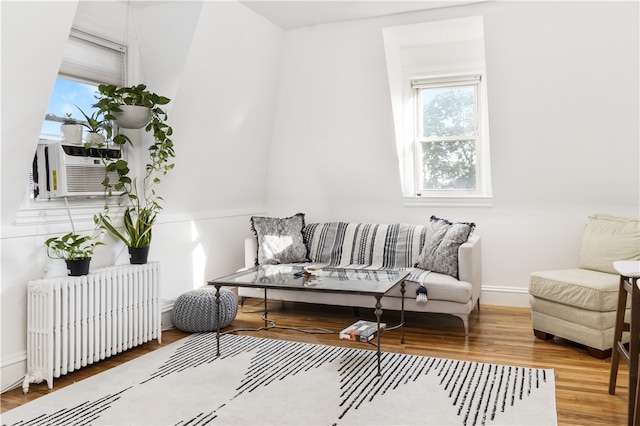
[497,335]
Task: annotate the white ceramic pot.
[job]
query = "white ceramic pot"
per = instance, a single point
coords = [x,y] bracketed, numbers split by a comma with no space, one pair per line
[94,138]
[132,116]
[72,133]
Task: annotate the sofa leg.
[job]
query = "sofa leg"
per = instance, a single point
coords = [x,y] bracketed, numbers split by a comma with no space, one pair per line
[356,312]
[599,353]
[465,322]
[543,335]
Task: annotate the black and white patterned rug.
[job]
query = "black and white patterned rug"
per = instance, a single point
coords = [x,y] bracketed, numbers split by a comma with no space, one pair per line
[263,381]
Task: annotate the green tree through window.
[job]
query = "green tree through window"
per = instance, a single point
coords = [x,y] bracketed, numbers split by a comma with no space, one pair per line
[447,137]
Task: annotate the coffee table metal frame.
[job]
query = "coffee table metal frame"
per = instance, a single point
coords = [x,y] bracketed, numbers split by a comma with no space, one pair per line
[330,280]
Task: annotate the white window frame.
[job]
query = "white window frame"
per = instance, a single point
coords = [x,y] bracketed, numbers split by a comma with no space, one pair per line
[413,194]
[419,138]
[436,49]
[83,61]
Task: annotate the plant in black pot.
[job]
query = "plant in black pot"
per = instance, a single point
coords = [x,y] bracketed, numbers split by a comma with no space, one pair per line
[143,202]
[75,249]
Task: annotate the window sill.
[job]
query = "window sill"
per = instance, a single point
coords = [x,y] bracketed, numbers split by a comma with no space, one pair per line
[44,217]
[471,201]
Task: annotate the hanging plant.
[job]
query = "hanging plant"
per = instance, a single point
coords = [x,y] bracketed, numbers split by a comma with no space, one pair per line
[144,202]
[130,107]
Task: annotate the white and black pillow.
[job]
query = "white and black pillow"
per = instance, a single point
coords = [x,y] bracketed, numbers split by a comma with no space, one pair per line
[440,250]
[280,240]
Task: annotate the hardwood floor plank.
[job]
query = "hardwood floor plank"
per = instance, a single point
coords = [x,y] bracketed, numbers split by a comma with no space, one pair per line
[499,335]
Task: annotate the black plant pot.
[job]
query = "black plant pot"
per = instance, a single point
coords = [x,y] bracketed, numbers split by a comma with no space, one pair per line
[138,255]
[78,267]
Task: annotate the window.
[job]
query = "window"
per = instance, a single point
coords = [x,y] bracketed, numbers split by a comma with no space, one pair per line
[66,98]
[447,135]
[88,62]
[438,86]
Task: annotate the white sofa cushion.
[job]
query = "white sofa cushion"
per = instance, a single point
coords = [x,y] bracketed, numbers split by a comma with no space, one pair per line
[440,287]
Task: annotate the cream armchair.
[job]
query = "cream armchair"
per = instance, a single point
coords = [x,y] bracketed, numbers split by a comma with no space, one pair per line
[580,304]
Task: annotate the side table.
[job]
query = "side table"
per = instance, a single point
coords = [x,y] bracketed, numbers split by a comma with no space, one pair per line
[629,271]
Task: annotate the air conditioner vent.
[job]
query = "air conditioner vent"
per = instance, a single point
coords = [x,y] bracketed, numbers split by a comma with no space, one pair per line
[73,170]
[81,179]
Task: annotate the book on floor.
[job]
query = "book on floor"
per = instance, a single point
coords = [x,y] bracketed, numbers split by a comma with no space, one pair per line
[361,331]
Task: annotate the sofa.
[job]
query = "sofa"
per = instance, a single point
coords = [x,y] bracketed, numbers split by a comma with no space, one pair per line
[579,304]
[443,260]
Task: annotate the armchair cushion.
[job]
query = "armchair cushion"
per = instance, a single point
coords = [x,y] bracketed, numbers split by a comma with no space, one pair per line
[607,239]
[582,288]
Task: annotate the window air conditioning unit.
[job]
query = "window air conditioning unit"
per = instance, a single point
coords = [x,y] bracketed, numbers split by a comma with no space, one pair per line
[65,170]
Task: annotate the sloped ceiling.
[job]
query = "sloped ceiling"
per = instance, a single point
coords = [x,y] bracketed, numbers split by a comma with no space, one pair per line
[290,14]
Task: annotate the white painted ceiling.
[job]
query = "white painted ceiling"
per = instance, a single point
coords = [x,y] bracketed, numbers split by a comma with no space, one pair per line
[290,14]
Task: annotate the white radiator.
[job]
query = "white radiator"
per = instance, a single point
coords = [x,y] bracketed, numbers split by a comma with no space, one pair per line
[76,321]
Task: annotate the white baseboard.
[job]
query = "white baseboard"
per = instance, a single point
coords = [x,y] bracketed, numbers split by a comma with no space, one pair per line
[165,314]
[505,296]
[13,371]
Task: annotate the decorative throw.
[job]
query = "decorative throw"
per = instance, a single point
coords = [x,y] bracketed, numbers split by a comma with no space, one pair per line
[280,240]
[381,246]
[440,251]
[355,245]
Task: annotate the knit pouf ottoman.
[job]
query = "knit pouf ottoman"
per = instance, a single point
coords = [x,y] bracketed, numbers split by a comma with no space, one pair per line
[196,311]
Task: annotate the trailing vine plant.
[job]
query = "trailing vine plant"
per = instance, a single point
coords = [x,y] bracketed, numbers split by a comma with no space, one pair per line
[144,202]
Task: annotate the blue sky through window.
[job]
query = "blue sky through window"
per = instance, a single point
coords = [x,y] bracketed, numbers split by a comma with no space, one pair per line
[66,95]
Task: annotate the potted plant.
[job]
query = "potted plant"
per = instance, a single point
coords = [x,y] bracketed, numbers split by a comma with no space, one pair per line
[98,127]
[131,107]
[71,130]
[144,203]
[75,249]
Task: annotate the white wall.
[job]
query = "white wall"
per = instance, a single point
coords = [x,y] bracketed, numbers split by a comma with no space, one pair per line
[563,92]
[281,122]
[218,61]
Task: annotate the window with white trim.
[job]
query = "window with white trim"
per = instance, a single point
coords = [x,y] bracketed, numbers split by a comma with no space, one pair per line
[438,86]
[447,135]
[88,62]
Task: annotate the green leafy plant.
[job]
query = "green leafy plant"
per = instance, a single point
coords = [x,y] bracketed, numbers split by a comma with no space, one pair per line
[141,214]
[111,97]
[138,223]
[68,119]
[71,246]
[97,123]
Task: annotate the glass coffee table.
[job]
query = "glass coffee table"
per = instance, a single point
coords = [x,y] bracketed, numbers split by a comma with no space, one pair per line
[372,283]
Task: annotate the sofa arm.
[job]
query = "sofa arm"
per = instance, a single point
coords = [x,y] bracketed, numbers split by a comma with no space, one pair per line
[250,252]
[470,264]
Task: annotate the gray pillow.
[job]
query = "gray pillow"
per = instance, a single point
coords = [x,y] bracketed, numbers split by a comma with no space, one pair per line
[440,250]
[279,239]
